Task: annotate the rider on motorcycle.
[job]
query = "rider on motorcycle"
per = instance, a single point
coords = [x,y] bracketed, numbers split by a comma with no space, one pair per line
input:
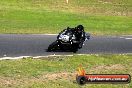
[70,39]
[78,32]
[80,35]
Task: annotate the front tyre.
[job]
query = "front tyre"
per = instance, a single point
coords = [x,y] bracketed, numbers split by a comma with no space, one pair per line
[52,46]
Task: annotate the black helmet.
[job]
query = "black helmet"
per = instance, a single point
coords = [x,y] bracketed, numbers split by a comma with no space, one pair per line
[80,28]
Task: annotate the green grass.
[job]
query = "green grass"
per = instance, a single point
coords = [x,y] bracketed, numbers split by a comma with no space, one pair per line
[48,16]
[56,72]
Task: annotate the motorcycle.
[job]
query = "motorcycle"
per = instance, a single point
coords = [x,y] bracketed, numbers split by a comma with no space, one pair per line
[67,42]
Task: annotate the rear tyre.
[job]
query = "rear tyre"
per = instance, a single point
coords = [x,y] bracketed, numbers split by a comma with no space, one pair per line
[80,45]
[74,48]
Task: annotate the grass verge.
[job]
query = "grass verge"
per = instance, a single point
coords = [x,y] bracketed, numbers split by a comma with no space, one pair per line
[99,17]
[60,72]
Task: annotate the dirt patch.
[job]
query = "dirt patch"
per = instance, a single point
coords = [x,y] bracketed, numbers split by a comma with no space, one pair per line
[60,75]
[98,69]
[8,82]
[71,76]
[11,82]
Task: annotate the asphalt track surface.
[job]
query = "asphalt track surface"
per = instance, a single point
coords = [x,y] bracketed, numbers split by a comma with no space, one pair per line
[16,45]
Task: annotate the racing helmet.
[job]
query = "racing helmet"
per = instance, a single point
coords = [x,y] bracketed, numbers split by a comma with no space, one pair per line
[80,28]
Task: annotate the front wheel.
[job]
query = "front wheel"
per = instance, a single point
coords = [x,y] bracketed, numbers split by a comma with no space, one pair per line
[53,46]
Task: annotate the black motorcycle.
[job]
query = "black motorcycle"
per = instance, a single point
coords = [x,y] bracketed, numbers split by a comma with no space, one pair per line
[67,42]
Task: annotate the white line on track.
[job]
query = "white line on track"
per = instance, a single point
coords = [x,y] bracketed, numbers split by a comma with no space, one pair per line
[126,35]
[128,38]
[21,57]
[44,34]
[35,57]
[122,37]
[125,38]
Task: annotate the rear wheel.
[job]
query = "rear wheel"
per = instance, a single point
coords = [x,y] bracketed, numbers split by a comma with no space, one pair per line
[80,45]
[74,51]
[74,48]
